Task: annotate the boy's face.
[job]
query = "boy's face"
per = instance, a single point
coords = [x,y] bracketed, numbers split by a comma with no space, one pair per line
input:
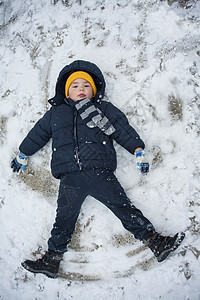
[80,89]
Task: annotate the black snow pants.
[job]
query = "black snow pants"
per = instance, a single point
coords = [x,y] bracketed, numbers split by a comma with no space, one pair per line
[102,185]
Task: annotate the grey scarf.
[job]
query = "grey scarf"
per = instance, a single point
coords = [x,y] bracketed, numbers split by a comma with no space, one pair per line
[93,117]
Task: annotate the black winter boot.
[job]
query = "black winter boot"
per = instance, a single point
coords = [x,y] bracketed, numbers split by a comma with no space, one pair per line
[162,246]
[48,264]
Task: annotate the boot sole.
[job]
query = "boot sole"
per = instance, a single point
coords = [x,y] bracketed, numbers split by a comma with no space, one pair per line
[47,273]
[178,241]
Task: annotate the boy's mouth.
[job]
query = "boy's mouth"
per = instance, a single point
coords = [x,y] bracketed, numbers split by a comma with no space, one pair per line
[81,95]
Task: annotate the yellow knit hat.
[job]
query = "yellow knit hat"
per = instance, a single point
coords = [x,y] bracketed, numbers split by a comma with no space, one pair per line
[76,75]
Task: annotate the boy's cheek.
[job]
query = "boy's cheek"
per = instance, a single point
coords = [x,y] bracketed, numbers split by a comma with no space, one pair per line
[72,96]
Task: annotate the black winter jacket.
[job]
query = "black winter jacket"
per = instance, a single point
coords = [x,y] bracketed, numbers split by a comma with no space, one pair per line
[74,145]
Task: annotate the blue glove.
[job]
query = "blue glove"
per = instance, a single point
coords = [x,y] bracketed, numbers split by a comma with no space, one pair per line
[142,163]
[19,162]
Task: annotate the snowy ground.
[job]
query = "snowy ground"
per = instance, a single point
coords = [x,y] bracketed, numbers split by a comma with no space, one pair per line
[149,52]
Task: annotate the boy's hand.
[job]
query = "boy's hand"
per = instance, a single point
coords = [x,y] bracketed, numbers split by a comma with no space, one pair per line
[19,162]
[142,163]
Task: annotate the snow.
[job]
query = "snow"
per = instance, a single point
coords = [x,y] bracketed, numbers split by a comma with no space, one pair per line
[149,53]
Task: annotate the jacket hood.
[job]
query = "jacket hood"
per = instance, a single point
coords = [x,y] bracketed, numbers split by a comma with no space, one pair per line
[78,65]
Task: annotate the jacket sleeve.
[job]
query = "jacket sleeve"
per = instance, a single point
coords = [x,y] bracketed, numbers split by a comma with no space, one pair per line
[124,134]
[38,136]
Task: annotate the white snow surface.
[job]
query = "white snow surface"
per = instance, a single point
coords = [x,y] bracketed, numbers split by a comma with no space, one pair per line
[149,53]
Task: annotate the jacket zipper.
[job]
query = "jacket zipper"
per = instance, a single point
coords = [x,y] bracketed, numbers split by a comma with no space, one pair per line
[76,142]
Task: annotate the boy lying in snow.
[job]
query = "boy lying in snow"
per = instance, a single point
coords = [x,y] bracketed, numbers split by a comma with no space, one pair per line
[82,127]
